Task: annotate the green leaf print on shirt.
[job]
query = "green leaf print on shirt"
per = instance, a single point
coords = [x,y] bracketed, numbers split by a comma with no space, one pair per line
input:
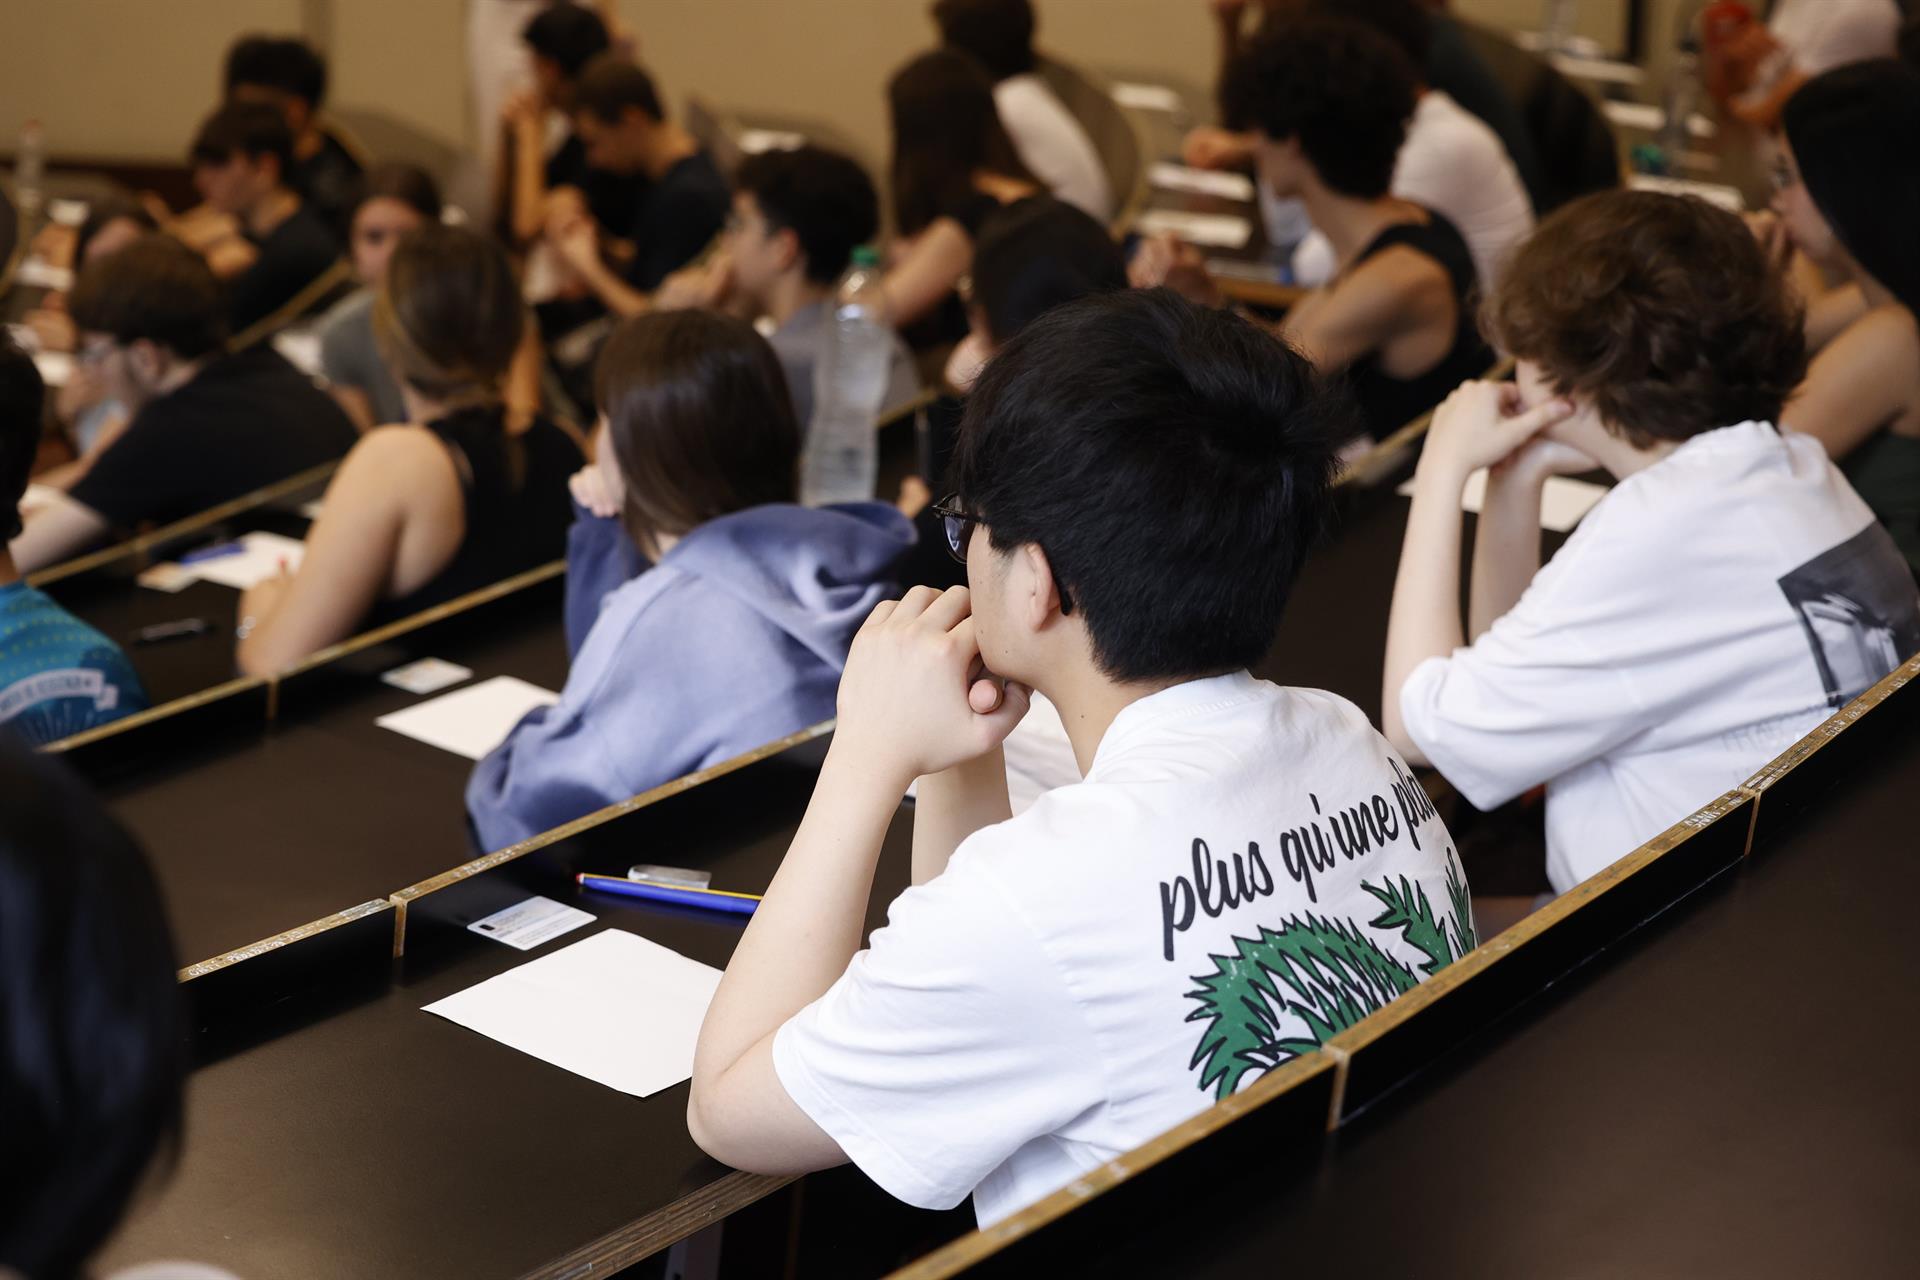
[1284,992]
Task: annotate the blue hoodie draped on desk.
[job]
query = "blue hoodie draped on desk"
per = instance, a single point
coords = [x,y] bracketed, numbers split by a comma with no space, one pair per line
[736,638]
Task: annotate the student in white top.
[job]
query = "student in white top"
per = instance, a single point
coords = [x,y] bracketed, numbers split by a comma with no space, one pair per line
[1755,69]
[1451,161]
[998,34]
[1141,478]
[1729,593]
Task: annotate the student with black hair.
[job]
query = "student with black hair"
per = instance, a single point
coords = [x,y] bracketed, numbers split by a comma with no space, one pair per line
[623,128]
[953,165]
[394,199]
[797,217]
[450,499]
[1329,100]
[1450,162]
[1849,201]
[563,38]
[206,426]
[241,160]
[284,72]
[998,34]
[733,633]
[93,1064]
[1139,481]
[58,675]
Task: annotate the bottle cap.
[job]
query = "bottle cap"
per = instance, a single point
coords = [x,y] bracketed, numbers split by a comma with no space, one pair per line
[866,256]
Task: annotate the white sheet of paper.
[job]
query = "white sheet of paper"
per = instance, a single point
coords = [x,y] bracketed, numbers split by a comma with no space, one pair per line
[1642,115]
[1206,182]
[755,141]
[1728,198]
[264,554]
[525,925]
[1216,230]
[615,1008]
[1562,503]
[1146,97]
[56,367]
[38,273]
[472,721]
[301,347]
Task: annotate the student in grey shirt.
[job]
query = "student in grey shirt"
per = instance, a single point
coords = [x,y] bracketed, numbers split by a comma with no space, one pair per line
[797,218]
[397,199]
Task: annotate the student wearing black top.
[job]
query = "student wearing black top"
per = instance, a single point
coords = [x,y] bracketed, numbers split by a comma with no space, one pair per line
[538,186]
[286,74]
[241,160]
[206,426]
[446,503]
[1327,100]
[624,128]
[953,166]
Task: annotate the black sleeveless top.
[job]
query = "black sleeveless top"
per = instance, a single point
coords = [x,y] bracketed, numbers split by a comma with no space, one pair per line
[1388,403]
[517,506]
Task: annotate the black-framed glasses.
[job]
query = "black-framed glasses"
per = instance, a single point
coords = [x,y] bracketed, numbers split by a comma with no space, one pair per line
[959,525]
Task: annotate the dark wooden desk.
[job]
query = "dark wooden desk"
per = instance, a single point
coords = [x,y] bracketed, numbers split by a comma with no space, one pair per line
[264,826]
[375,1140]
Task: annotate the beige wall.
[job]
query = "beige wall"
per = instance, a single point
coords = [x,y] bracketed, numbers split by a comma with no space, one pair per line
[130,78]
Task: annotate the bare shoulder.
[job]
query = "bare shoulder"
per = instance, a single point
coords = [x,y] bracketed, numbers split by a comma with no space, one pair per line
[399,459]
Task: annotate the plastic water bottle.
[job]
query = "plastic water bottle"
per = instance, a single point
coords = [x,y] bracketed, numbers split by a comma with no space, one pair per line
[1682,92]
[29,174]
[841,458]
[1557,28]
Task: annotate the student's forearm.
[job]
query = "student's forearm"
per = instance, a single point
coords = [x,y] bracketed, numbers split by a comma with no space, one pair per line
[952,805]
[1506,547]
[529,186]
[810,923]
[620,297]
[1425,619]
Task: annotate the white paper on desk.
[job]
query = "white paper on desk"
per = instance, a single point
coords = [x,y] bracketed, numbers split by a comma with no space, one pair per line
[262,556]
[301,348]
[1215,230]
[56,367]
[38,273]
[1562,503]
[1147,97]
[614,1008]
[755,141]
[1206,182]
[1728,198]
[472,721]
[1641,115]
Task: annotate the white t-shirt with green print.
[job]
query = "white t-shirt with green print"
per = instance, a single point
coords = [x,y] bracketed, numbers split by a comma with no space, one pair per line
[1245,870]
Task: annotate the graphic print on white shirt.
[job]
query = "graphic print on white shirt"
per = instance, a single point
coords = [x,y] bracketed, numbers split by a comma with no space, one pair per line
[1857,606]
[1245,870]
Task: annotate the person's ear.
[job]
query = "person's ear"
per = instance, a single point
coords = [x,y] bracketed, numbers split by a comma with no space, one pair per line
[786,247]
[1038,602]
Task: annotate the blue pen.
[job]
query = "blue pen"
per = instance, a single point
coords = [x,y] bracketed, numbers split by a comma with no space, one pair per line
[214,552]
[709,899]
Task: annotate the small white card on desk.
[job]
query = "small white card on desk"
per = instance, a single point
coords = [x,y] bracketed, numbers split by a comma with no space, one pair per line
[526,925]
[38,273]
[1728,198]
[1215,230]
[56,367]
[470,722]
[755,141]
[1206,182]
[261,556]
[1563,503]
[615,1008]
[429,675]
[168,577]
[1146,97]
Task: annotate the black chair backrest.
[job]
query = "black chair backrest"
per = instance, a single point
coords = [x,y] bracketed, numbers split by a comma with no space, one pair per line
[1577,150]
